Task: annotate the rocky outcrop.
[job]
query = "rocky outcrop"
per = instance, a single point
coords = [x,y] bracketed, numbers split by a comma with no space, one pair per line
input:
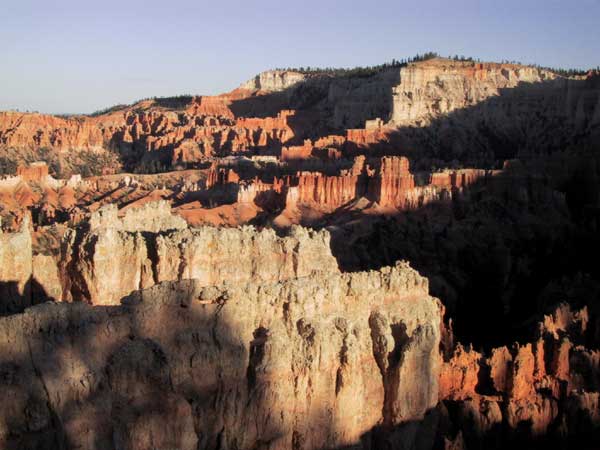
[26,277]
[386,181]
[24,130]
[438,86]
[114,256]
[274,80]
[138,132]
[325,192]
[315,361]
[480,113]
[530,390]
[15,269]
[46,282]
[392,182]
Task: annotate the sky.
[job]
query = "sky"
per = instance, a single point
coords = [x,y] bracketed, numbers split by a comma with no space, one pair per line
[67,56]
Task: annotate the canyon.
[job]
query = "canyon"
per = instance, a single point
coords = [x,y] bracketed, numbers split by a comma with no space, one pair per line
[399,260]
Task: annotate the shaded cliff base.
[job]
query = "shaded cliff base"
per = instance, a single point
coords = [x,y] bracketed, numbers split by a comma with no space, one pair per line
[185,366]
[257,365]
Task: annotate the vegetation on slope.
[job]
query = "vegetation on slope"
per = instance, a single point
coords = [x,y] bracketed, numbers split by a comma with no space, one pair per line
[173,102]
[367,71]
[84,162]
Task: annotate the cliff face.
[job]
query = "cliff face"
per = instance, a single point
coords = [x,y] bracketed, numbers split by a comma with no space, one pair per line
[261,339]
[355,101]
[341,101]
[15,269]
[274,81]
[23,131]
[116,256]
[326,192]
[484,112]
[393,182]
[26,278]
[436,87]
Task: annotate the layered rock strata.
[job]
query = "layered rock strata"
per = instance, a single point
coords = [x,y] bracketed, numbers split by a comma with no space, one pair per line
[386,181]
[438,86]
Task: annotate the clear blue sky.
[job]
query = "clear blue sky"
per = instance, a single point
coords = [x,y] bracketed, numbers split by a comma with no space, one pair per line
[65,56]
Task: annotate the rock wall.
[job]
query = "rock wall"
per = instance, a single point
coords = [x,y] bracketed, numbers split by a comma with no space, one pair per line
[46,283]
[15,269]
[311,362]
[356,100]
[392,183]
[348,100]
[26,278]
[274,80]
[386,181]
[326,192]
[114,256]
[438,86]
[482,113]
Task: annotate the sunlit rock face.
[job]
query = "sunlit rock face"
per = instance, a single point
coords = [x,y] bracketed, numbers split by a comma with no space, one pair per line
[15,269]
[179,337]
[439,86]
[304,355]
[115,256]
[274,80]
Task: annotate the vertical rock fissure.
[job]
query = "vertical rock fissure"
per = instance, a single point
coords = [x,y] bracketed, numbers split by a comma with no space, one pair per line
[57,424]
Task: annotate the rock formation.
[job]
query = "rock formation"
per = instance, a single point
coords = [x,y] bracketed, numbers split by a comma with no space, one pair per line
[116,256]
[436,87]
[274,80]
[262,340]
[15,269]
[128,323]
[533,384]
[286,108]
